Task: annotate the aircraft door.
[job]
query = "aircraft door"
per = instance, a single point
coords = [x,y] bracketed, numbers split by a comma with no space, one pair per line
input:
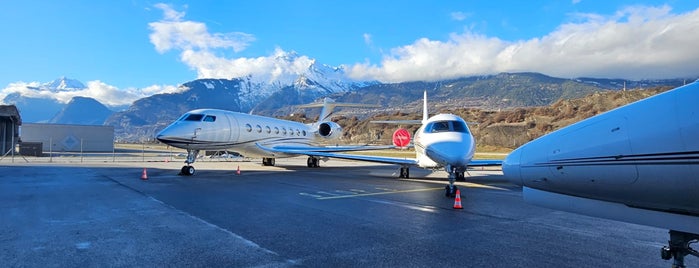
[593,154]
[234,128]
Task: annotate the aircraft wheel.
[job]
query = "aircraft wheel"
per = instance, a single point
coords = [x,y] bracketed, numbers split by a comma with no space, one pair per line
[404,173]
[460,176]
[190,170]
[187,170]
[449,191]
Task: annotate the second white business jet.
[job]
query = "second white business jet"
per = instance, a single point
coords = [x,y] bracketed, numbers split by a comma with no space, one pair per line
[443,141]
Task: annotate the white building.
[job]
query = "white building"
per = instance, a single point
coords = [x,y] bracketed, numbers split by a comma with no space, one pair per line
[69,138]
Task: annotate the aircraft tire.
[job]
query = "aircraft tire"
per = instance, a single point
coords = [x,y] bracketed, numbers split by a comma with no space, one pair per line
[187,170]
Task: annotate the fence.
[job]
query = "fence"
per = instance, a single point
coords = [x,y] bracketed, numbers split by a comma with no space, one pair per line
[144,152]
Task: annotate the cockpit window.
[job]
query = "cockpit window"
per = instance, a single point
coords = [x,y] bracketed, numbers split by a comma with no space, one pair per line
[442,126]
[459,126]
[194,117]
[209,118]
[446,126]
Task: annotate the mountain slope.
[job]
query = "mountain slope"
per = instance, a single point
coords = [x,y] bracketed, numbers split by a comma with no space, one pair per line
[82,111]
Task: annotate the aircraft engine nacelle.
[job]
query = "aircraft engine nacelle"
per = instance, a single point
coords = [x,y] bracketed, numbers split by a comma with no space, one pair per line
[329,130]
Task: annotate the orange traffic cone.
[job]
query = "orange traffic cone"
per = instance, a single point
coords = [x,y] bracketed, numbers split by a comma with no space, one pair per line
[144,176]
[457,201]
[237,172]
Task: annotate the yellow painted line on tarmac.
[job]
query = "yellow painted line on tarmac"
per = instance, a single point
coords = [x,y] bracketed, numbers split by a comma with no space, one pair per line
[380,193]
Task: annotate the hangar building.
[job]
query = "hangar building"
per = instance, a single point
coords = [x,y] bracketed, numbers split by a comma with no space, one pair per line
[9,128]
[69,138]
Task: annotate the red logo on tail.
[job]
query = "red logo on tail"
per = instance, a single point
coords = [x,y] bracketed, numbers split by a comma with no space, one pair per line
[401,137]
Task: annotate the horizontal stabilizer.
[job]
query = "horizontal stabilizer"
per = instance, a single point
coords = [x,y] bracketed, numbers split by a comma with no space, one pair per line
[398,122]
[329,104]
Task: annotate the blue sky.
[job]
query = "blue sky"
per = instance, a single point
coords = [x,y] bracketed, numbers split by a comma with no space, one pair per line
[150,47]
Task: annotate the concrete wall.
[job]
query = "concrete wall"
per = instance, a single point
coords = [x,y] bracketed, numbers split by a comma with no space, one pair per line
[69,138]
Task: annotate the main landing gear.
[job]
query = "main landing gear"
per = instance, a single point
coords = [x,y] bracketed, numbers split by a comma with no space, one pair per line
[267,161]
[313,162]
[189,170]
[454,174]
[678,248]
[404,172]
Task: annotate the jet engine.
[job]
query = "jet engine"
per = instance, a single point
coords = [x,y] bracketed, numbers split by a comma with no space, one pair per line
[329,130]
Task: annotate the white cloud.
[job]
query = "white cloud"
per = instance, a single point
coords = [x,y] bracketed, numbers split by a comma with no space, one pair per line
[635,43]
[281,65]
[174,33]
[459,16]
[367,39]
[198,47]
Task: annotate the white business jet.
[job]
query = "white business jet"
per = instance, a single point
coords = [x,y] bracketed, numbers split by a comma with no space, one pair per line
[443,141]
[638,163]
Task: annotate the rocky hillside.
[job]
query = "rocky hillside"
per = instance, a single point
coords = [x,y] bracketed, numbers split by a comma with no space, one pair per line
[503,129]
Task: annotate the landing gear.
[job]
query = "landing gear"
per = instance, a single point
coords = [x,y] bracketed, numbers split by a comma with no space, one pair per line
[188,170]
[313,162]
[460,176]
[678,248]
[404,172]
[450,190]
[267,161]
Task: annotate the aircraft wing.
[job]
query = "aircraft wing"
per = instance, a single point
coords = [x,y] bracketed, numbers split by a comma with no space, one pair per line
[332,152]
[297,149]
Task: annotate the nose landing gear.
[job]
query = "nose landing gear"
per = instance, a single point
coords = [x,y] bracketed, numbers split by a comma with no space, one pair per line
[188,170]
[678,248]
[454,174]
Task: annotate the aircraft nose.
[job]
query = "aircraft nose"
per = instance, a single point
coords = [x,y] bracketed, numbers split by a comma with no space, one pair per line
[511,167]
[448,153]
[165,136]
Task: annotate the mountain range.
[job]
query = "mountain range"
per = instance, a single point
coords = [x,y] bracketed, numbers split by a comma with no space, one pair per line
[144,117]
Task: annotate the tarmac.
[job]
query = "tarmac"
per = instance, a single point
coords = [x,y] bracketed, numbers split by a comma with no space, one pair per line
[343,214]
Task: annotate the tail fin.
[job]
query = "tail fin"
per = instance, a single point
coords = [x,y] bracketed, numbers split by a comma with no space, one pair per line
[329,105]
[425,114]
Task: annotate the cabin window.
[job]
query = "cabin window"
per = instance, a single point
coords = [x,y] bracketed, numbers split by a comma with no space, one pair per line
[283,131]
[268,130]
[298,132]
[259,129]
[248,127]
[209,118]
[194,117]
[304,133]
[291,132]
[276,130]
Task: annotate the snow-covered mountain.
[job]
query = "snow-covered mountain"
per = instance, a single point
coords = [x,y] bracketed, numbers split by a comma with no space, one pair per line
[260,93]
[39,104]
[60,85]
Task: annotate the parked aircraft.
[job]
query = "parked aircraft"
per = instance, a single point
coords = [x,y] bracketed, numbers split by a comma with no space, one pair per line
[443,141]
[638,163]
